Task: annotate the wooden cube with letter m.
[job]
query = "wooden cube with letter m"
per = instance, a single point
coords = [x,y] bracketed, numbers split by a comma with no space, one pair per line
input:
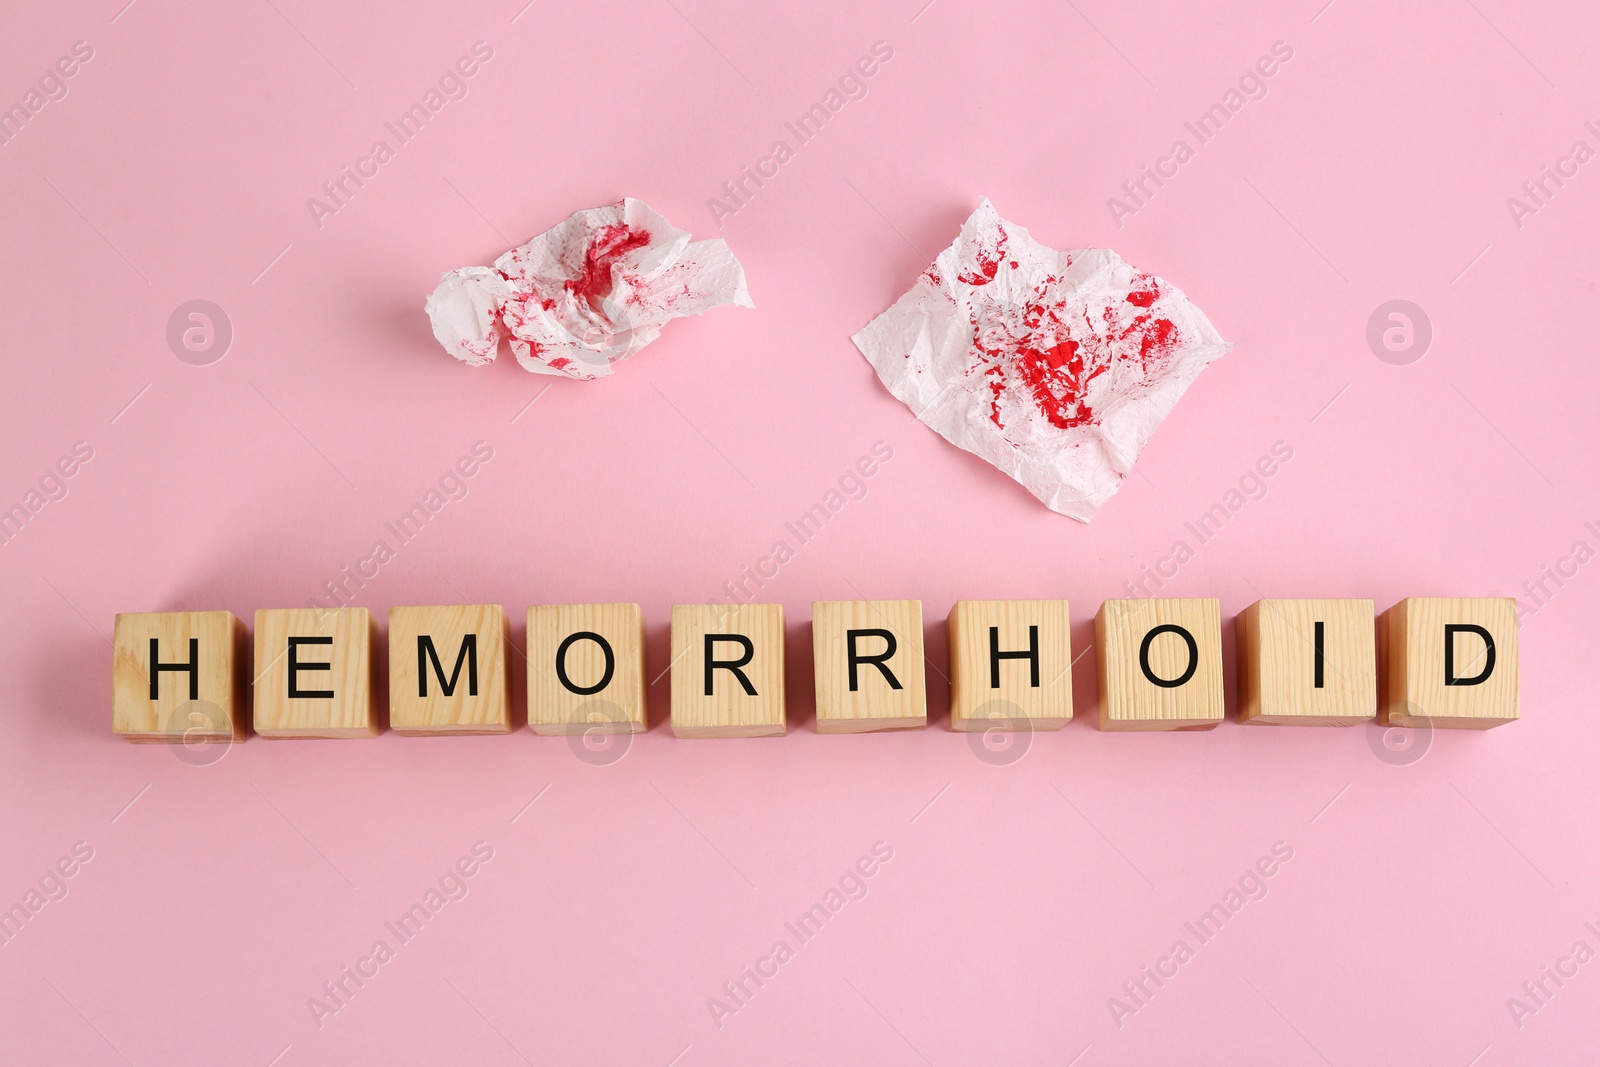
[448,672]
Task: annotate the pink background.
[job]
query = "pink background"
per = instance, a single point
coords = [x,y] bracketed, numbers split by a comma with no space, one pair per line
[1022,893]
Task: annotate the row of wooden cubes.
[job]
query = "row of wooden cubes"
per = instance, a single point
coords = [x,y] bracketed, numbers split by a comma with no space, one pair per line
[181,676]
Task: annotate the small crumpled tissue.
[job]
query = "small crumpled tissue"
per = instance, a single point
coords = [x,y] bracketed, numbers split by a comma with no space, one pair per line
[1055,367]
[586,294]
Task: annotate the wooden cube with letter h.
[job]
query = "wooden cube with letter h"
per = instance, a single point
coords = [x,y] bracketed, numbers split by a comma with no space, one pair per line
[179,676]
[1010,665]
[1160,664]
[448,672]
[1450,662]
[586,669]
[1307,662]
[869,665]
[314,673]
[727,670]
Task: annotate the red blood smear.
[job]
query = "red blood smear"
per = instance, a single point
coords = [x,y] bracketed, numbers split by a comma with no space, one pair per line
[1147,296]
[609,244]
[1056,369]
[988,263]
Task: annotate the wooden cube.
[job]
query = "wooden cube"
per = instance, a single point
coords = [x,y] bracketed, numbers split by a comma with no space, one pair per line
[314,671]
[586,669]
[1160,664]
[1010,665]
[727,670]
[869,665]
[1307,662]
[1450,662]
[448,672]
[179,676]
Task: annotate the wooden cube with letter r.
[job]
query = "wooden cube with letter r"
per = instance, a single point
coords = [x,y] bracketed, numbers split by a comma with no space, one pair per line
[448,672]
[869,667]
[727,670]
[1450,662]
[1010,665]
[179,676]
[1160,663]
[314,672]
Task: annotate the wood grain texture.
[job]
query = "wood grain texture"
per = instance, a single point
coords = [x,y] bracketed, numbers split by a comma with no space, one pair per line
[210,707]
[1278,674]
[729,711]
[418,703]
[875,704]
[1131,701]
[1415,693]
[1017,703]
[351,711]
[553,706]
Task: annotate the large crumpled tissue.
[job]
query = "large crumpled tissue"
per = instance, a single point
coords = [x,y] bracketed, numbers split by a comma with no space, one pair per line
[585,294]
[1055,367]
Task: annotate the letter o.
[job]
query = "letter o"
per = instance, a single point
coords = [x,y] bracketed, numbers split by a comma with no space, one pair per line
[561,663]
[1144,655]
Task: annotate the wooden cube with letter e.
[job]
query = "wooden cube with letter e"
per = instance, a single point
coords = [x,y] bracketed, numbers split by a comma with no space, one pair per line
[1160,664]
[314,672]
[448,672]
[1307,662]
[727,670]
[1010,665]
[869,665]
[1450,662]
[586,669]
[179,676]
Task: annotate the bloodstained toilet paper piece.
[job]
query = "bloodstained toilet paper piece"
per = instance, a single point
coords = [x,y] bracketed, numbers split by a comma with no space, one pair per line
[585,294]
[1055,367]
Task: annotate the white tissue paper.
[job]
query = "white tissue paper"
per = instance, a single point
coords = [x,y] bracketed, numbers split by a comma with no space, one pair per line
[586,294]
[1055,367]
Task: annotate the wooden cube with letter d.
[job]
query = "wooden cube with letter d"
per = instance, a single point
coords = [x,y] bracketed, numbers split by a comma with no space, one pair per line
[1450,662]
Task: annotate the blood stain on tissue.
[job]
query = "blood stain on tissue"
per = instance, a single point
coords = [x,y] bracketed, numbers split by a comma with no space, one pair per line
[988,262]
[1053,359]
[610,243]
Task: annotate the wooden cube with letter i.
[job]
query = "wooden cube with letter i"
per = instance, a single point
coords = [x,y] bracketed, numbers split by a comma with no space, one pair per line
[869,667]
[727,670]
[1307,662]
[1160,664]
[313,673]
[448,672]
[1450,662]
[179,676]
[1010,665]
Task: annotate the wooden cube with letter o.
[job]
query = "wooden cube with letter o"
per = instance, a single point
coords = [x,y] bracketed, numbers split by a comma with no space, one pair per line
[1160,664]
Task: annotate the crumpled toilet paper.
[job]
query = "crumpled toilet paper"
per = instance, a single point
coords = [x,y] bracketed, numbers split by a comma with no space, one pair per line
[585,294]
[1056,367]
